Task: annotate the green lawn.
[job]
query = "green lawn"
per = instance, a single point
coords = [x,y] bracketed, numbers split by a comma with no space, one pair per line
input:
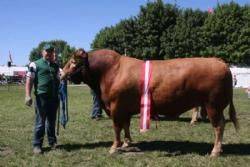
[86,142]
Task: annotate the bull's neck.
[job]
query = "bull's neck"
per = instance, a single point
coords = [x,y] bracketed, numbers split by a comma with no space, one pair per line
[99,67]
[100,64]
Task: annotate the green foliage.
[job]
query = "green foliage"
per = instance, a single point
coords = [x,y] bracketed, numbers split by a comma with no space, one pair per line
[153,20]
[184,39]
[223,32]
[163,31]
[63,49]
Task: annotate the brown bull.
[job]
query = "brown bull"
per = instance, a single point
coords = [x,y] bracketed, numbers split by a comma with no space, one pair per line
[176,86]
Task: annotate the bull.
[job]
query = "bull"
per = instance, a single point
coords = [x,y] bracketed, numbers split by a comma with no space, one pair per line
[176,86]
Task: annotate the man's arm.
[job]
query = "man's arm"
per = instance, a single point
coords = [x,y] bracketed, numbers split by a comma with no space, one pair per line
[29,84]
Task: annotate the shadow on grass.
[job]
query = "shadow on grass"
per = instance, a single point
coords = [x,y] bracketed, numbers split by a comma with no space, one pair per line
[78,146]
[178,119]
[186,147]
[185,119]
[172,148]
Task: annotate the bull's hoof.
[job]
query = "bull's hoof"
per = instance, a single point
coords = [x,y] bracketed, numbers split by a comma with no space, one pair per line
[192,123]
[125,145]
[215,154]
[114,150]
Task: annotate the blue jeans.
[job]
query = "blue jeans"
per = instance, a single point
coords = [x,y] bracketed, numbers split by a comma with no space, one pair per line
[96,110]
[45,109]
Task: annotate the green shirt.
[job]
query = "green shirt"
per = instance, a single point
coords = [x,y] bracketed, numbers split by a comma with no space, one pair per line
[46,79]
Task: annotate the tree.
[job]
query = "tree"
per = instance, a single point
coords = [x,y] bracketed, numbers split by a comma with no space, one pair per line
[243,44]
[184,38]
[223,31]
[140,36]
[153,20]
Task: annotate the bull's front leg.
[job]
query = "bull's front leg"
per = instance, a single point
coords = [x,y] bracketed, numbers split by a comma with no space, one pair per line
[127,139]
[117,138]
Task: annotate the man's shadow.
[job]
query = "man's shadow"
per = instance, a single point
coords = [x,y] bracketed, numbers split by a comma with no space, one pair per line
[171,148]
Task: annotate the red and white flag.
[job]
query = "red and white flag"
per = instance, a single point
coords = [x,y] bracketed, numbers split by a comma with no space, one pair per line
[210,11]
[146,97]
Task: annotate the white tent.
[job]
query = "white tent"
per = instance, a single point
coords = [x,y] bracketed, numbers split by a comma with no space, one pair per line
[242,75]
[10,71]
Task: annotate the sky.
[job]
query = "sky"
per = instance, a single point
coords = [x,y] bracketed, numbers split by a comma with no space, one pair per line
[26,23]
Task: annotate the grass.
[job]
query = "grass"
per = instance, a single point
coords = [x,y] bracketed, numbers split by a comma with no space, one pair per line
[86,142]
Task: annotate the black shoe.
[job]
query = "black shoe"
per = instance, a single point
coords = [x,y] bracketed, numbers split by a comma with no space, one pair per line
[93,117]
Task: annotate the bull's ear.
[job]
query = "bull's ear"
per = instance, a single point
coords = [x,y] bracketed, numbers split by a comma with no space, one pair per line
[81,53]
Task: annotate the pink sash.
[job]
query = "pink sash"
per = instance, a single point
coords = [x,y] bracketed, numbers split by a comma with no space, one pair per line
[146,97]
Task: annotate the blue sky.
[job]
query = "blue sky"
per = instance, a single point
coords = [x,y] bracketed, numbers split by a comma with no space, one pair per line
[26,23]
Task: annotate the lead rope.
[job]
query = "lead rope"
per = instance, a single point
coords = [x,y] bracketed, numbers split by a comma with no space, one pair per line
[58,118]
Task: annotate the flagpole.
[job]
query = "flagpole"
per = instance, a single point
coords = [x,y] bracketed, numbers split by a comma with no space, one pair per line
[218,3]
[9,66]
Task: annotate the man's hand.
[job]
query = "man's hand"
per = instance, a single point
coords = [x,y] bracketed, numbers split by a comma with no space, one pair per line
[28,101]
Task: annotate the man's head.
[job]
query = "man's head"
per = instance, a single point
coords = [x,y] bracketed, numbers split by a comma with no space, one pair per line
[47,52]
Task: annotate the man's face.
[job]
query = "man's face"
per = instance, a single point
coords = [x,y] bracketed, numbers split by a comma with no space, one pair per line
[48,54]
[55,57]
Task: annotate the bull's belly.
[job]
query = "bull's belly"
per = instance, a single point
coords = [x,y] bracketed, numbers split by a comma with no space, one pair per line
[171,111]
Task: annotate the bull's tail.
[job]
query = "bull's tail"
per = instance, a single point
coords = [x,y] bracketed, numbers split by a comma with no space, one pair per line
[232,115]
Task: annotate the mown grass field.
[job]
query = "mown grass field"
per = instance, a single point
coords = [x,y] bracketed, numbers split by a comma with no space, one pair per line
[86,142]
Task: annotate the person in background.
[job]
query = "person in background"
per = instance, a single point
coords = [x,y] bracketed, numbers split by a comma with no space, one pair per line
[234,80]
[96,107]
[63,97]
[248,91]
[43,75]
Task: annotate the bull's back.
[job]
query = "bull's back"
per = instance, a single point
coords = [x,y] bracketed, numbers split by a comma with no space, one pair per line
[180,84]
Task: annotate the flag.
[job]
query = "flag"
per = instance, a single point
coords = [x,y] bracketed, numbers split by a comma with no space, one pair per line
[10,58]
[210,11]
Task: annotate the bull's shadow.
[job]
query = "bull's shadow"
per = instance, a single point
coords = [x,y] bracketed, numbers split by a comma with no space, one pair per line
[186,147]
[171,148]
[178,119]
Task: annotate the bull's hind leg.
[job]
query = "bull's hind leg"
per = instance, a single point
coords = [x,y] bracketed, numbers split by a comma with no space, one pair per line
[216,117]
[195,112]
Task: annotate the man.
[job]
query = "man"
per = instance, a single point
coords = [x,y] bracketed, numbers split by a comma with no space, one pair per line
[44,75]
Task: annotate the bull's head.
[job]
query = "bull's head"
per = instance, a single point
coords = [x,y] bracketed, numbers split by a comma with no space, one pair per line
[76,67]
